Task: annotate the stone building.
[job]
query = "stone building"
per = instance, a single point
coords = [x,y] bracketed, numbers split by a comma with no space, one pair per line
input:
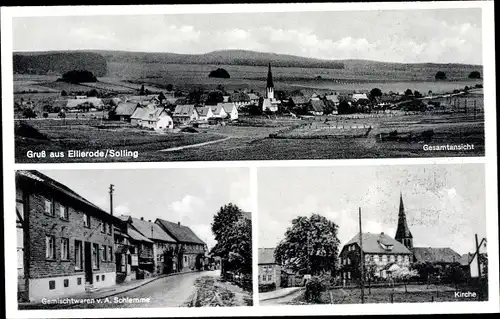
[65,243]
[269,269]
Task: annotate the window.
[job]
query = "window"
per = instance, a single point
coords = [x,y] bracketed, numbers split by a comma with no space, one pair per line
[270,277]
[392,258]
[52,284]
[63,212]
[375,258]
[78,255]
[109,229]
[104,252]
[95,256]
[384,259]
[400,258]
[49,207]
[103,227]
[64,249]
[50,247]
[86,220]
[110,253]
[97,278]
[66,282]
[79,281]
[103,277]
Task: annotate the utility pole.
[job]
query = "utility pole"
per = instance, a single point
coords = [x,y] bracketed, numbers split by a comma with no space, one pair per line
[111,190]
[362,260]
[477,257]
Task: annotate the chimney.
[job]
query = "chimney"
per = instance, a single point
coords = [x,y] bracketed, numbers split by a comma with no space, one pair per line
[111,189]
[142,218]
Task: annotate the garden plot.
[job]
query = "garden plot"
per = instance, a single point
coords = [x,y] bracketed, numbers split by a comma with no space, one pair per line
[324,130]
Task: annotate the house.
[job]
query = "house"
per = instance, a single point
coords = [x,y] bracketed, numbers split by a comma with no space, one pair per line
[204,113]
[440,256]
[230,109]
[134,251]
[331,106]
[65,243]
[298,101]
[218,111]
[254,98]
[191,248]
[469,264]
[333,98]
[240,99]
[269,269]
[124,111]
[269,103]
[316,107]
[380,250]
[185,114]
[165,247]
[144,99]
[153,117]
[358,97]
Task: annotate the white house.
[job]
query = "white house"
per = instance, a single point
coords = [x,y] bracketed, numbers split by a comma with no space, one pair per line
[153,117]
[185,113]
[204,113]
[218,111]
[230,109]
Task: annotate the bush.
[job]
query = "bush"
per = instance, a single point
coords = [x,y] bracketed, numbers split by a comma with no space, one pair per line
[440,75]
[314,287]
[475,75]
[78,76]
[267,287]
[219,73]
[45,115]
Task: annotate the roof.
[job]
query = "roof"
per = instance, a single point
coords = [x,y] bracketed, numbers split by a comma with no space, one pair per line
[317,105]
[253,96]
[228,107]
[333,98]
[465,259]
[330,104]
[371,244]
[135,235]
[125,108]
[141,98]
[42,179]
[184,110]
[203,110]
[359,96]
[148,113]
[71,103]
[436,255]
[269,77]
[151,230]
[266,256]
[299,99]
[217,109]
[180,232]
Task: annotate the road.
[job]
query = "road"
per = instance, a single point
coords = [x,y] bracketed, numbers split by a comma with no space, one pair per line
[172,291]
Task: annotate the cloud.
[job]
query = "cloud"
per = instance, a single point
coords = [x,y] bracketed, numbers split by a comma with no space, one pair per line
[187,209]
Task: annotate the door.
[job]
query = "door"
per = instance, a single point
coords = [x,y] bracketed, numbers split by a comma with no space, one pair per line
[88,262]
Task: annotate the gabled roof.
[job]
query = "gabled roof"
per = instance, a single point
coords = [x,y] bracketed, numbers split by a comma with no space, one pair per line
[217,109]
[299,99]
[40,179]
[147,113]
[330,104]
[240,97]
[180,232]
[71,103]
[253,96]
[436,255]
[184,110]
[317,105]
[372,244]
[228,107]
[203,110]
[125,108]
[137,236]
[151,230]
[266,256]
[333,98]
[359,96]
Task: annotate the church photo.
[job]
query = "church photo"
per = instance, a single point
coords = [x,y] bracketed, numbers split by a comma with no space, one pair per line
[372,234]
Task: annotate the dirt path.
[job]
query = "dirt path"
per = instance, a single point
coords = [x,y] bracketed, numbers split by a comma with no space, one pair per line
[194,145]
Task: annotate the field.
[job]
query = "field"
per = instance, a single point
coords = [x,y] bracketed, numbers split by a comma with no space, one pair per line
[415,294]
[252,139]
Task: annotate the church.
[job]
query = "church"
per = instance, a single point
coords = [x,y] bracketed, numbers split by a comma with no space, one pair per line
[384,254]
[269,103]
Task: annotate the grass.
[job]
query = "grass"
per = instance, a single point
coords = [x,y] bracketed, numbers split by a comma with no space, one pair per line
[212,292]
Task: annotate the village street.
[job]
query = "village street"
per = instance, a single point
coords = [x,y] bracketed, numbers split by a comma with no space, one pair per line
[171,291]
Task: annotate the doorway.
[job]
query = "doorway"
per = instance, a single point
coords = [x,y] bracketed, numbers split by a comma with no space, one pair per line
[88,263]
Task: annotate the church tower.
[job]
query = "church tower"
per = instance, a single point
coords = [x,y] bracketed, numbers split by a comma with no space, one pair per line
[403,234]
[270,85]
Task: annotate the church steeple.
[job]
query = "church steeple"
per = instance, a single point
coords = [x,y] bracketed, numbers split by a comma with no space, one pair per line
[403,234]
[270,85]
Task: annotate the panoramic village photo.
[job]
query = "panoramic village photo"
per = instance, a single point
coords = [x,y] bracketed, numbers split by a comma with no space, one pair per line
[372,234]
[133,238]
[248,86]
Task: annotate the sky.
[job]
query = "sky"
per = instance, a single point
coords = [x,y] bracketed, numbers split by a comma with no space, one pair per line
[428,35]
[444,204]
[191,196]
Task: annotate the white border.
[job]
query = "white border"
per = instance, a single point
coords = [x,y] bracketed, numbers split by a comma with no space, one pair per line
[430,308]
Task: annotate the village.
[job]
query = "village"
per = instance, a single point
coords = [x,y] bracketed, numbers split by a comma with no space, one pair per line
[396,121]
[72,253]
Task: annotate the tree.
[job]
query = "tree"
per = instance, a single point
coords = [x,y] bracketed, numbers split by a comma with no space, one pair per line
[310,245]
[161,97]
[92,92]
[475,75]
[29,113]
[374,93]
[440,75]
[454,274]
[404,274]
[141,91]
[64,93]
[78,76]
[215,97]
[417,94]
[233,233]
[219,73]
[408,92]
[170,87]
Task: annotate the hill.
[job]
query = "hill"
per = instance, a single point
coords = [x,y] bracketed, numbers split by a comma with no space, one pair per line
[58,62]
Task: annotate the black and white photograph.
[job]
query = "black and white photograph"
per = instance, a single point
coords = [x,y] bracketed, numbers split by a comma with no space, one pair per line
[248,86]
[423,235]
[133,238]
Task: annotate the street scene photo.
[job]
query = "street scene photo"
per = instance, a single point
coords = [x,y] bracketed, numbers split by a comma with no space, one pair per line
[248,86]
[133,238]
[372,234]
